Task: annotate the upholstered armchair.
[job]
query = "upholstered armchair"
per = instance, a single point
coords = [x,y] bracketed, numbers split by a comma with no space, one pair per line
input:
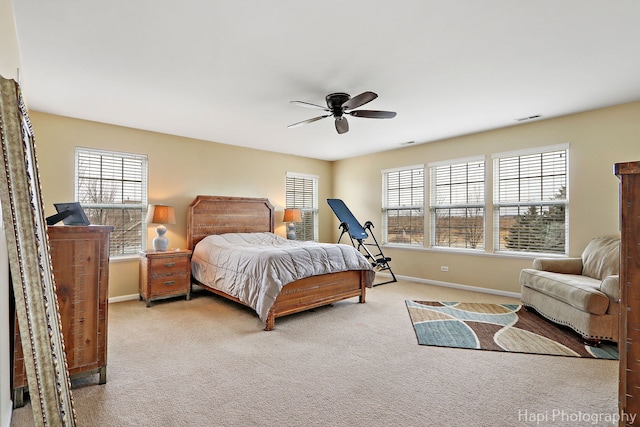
[581,293]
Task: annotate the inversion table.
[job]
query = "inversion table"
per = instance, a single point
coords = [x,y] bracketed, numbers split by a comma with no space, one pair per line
[357,233]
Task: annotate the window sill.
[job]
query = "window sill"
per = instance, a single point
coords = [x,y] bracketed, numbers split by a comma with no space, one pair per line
[124,258]
[474,252]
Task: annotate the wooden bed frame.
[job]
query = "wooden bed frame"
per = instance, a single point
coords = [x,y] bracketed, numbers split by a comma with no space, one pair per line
[219,214]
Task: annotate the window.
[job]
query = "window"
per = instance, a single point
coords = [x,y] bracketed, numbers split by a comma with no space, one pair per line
[302,193]
[457,204]
[112,189]
[531,201]
[403,205]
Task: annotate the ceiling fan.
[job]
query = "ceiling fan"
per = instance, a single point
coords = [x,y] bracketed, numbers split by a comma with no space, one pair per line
[340,104]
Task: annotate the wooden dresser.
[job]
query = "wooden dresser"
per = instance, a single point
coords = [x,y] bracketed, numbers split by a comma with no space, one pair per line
[629,343]
[80,259]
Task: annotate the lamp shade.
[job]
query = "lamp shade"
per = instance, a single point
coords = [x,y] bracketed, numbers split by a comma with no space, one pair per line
[292,215]
[161,214]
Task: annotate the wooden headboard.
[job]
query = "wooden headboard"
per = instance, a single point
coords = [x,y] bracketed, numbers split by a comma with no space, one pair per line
[220,214]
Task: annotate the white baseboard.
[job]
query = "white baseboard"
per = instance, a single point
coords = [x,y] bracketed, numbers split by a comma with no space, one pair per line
[8,412]
[124,298]
[408,278]
[456,286]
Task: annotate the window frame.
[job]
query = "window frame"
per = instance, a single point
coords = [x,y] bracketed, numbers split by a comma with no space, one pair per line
[541,202]
[301,201]
[124,251]
[434,205]
[387,205]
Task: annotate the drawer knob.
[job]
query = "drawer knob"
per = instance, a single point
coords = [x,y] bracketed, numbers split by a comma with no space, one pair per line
[170,282]
[169,264]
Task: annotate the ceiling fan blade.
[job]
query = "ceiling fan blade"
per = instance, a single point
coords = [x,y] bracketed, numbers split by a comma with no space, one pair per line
[372,114]
[359,100]
[309,105]
[342,125]
[304,122]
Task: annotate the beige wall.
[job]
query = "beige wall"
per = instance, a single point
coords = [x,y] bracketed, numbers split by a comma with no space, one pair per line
[179,170]
[597,139]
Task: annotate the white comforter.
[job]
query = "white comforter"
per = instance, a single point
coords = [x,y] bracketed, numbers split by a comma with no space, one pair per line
[254,267]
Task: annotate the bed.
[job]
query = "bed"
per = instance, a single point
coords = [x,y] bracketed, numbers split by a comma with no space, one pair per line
[213,218]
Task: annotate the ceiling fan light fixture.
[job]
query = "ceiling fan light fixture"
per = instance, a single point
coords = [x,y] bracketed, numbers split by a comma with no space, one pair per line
[337,105]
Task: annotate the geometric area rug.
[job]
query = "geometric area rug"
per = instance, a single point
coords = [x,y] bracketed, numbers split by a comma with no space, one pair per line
[498,327]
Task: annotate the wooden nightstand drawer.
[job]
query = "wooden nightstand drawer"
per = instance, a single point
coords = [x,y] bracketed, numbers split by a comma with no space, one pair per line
[165,274]
[174,284]
[168,266]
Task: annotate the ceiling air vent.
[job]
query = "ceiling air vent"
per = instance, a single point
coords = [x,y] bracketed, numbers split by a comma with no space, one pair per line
[526,119]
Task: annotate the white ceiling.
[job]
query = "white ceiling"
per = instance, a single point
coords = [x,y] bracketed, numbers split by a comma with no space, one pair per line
[225,71]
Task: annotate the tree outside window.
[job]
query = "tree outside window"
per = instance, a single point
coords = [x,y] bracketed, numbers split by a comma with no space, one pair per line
[457,204]
[403,205]
[531,201]
[112,189]
[302,193]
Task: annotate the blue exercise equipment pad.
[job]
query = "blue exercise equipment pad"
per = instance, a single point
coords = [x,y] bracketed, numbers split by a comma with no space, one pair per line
[358,234]
[343,213]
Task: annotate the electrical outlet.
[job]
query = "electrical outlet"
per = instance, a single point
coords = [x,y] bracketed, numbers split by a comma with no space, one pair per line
[444,268]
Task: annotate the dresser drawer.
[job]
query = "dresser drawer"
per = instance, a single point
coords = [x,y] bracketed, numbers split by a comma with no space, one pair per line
[168,266]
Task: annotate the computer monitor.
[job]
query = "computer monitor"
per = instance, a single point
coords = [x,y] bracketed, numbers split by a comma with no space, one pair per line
[69,213]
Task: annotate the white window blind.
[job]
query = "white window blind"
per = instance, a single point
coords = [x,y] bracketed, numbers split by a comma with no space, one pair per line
[457,204]
[403,205]
[531,201]
[112,189]
[302,193]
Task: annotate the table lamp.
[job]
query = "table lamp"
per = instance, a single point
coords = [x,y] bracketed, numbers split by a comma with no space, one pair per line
[161,214]
[291,216]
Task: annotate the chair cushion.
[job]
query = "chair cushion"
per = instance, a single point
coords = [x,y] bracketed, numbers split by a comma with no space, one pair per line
[601,258]
[611,287]
[579,291]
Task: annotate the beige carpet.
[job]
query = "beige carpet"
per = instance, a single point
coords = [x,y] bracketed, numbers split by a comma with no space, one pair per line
[207,362]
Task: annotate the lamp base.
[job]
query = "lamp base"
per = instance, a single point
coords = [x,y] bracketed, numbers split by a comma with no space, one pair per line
[291,231]
[160,242]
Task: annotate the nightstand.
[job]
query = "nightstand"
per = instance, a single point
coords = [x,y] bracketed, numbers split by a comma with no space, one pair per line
[165,274]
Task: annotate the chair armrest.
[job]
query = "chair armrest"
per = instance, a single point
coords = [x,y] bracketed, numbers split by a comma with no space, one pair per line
[610,286]
[559,265]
